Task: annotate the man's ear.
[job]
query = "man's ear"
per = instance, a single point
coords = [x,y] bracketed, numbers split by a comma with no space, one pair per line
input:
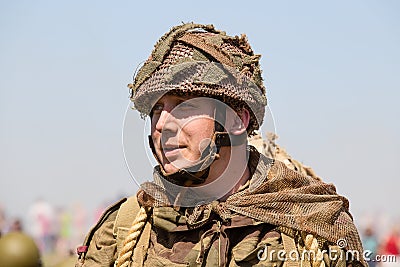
[241,120]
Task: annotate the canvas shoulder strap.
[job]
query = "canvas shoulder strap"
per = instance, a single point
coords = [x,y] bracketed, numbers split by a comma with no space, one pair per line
[125,216]
[122,214]
[123,222]
[87,246]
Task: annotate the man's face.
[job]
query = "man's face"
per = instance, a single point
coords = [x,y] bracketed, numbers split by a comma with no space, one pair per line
[181,128]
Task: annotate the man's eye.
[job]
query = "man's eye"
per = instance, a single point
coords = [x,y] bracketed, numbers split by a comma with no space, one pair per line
[186,105]
[157,108]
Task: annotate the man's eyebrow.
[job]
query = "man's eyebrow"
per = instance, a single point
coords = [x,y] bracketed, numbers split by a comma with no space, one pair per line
[185,98]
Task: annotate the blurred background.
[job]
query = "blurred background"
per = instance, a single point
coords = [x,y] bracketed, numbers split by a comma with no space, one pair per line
[332,75]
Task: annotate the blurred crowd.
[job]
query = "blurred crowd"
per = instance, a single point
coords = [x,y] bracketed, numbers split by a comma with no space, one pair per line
[57,232]
[382,250]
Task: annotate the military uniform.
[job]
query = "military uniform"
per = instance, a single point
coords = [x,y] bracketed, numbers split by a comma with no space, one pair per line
[217,235]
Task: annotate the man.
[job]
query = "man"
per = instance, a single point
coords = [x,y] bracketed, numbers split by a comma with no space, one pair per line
[215,200]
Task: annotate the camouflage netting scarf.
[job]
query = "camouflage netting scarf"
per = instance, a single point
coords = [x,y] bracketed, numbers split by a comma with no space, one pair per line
[282,197]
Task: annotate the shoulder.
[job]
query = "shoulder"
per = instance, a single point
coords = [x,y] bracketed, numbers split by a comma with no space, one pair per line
[100,245]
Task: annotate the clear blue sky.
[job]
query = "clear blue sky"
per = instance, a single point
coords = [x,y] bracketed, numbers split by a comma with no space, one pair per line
[332,71]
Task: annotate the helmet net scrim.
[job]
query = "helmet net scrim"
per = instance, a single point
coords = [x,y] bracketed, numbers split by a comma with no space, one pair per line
[196,43]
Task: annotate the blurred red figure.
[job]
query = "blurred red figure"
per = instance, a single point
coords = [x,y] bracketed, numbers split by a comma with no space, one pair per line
[392,244]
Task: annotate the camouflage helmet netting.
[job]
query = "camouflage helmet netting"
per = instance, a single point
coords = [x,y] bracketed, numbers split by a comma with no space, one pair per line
[202,43]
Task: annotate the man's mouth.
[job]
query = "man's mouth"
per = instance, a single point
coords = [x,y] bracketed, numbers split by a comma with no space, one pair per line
[170,150]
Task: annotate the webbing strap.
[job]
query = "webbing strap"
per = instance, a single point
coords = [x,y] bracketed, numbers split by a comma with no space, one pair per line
[123,222]
[125,217]
[291,251]
[82,250]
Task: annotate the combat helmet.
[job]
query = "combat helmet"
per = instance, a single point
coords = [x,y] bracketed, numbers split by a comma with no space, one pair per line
[197,43]
[18,250]
[196,59]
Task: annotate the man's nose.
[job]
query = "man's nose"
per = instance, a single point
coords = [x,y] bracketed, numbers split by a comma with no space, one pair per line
[166,122]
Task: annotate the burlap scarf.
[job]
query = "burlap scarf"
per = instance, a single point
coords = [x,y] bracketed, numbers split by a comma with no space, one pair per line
[282,197]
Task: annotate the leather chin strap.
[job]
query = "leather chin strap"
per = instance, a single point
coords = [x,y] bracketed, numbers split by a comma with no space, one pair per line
[198,173]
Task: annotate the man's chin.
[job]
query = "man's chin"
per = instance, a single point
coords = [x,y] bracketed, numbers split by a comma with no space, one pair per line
[170,168]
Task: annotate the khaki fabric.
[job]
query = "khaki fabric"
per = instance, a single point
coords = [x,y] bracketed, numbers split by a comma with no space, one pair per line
[172,246]
[125,216]
[217,243]
[102,247]
[107,236]
[279,196]
[228,233]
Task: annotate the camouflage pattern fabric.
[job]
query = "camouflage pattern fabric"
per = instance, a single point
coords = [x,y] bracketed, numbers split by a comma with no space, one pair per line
[276,196]
[232,233]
